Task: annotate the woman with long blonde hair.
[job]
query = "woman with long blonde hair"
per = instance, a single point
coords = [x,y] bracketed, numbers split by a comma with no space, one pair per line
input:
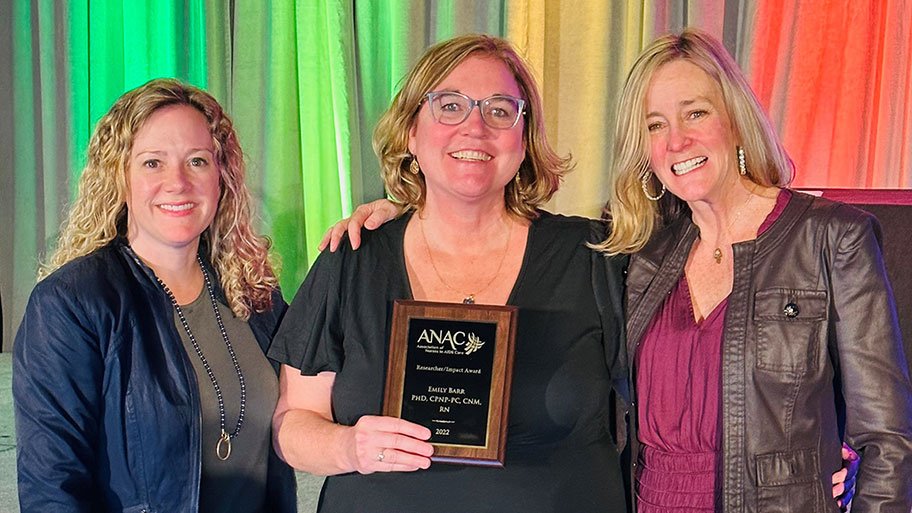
[760,323]
[140,379]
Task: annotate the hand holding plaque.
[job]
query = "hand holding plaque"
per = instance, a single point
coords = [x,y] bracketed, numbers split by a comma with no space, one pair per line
[450,370]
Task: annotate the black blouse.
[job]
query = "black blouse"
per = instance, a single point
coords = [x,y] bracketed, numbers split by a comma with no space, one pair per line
[560,454]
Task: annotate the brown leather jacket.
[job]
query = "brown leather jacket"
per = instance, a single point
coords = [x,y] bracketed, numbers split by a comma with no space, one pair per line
[811,347]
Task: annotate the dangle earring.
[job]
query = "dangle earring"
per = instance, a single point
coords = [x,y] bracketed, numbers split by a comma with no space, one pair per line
[645,183]
[413,166]
[742,165]
[518,191]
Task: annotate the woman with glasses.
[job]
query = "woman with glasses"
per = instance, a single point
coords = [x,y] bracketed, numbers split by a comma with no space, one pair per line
[463,148]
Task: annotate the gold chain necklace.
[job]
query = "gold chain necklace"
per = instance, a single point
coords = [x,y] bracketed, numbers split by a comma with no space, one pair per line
[469,298]
[717,253]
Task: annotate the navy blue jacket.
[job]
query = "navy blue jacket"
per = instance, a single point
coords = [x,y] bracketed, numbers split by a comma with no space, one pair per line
[106,399]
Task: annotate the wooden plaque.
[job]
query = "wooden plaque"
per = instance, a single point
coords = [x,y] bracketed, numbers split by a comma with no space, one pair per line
[450,369]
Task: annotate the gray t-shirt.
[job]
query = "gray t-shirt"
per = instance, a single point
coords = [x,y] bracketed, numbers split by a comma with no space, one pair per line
[237,485]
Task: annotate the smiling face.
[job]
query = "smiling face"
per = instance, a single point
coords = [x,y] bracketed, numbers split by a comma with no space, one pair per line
[469,162]
[693,150]
[172,182]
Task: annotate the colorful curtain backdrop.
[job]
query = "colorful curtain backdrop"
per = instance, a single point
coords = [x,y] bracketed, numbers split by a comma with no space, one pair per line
[305,81]
[837,80]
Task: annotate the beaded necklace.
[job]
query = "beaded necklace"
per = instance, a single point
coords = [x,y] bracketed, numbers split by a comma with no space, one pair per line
[223,446]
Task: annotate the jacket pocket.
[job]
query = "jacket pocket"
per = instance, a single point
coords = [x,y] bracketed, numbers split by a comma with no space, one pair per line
[788,322]
[789,482]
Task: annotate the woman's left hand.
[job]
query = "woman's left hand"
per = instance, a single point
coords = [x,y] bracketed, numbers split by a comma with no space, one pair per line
[844,480]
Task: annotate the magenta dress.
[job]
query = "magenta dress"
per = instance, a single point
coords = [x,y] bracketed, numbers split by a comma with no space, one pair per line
[679,389]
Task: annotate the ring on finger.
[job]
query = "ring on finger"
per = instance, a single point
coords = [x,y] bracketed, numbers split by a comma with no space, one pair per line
[381,455]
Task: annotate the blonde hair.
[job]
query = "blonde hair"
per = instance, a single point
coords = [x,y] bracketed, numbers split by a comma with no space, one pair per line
[634,217]
[98,215]
[540,172]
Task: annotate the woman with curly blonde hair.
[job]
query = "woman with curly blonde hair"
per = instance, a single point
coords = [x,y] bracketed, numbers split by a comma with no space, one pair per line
[141,381]
[239,256]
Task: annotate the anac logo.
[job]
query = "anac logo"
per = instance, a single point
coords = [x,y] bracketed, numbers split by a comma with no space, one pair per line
[449,341]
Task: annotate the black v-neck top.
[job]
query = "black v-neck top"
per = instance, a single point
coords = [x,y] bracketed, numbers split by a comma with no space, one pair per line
[560,454]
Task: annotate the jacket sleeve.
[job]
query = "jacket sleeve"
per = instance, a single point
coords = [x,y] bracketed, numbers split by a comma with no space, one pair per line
[57,389]
[873,370]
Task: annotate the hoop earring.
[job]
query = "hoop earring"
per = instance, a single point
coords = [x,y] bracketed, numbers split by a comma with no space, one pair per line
[414,168]
[645,183]
[742,165]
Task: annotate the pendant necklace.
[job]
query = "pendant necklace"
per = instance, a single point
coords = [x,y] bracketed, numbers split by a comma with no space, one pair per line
[717,253]
[223,446]
[469,298]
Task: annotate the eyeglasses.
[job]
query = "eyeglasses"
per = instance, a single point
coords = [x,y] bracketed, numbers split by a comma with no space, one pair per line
[500,111]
